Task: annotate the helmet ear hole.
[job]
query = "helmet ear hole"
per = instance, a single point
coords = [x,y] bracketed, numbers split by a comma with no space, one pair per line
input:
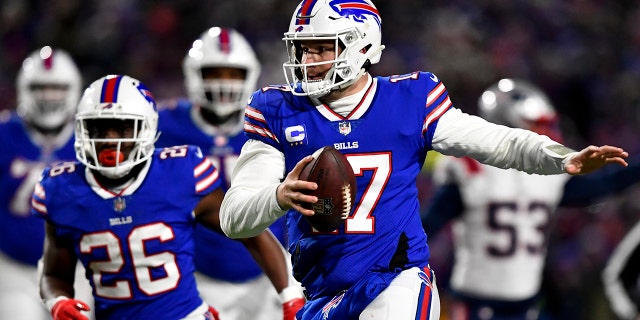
[367,64]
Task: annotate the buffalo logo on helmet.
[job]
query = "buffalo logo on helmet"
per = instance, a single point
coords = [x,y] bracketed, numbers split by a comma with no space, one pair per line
[355,10]
[147,95]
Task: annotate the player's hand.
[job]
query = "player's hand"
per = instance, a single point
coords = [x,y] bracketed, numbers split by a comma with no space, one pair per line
[593,158]
[290,192]
[214,313]
[289,308]
[69,309]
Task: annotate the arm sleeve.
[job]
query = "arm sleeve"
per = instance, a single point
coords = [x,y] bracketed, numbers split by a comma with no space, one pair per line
[250,205]
[622,275]
[582,190]
[460,134]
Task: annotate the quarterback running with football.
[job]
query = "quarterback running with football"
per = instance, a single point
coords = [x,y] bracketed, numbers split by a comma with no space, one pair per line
[220,73]
[502,217]
[376,264]
[127,211]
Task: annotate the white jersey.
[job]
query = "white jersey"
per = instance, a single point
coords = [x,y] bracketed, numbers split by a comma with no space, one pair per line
[500,241]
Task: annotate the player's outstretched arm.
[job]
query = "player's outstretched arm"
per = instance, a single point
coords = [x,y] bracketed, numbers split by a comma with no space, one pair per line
[593,158]
[57,277]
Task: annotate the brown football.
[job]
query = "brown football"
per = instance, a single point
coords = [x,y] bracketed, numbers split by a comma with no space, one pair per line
[336,188]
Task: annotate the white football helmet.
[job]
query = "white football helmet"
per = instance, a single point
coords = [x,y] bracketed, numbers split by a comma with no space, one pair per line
[116,97]
[355,26]
[519,104]
[48,88]
[220,47]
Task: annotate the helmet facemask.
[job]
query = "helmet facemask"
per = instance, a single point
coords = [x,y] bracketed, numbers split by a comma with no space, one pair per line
[49,109]
[114,157]
[223,96]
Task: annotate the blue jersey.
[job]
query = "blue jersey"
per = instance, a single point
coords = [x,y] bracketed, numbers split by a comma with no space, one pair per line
[230,260]
[385,138]
[137,247]
[21,163]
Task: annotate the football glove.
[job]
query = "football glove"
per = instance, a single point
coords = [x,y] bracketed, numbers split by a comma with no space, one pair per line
[69,309]
[292,300]
[212,314]
[291,307]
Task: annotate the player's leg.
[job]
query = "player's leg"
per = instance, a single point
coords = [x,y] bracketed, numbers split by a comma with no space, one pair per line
[19,291]
[255,299]
[411,295]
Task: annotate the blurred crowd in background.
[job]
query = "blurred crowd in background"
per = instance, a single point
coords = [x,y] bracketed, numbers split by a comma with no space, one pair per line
[584,53]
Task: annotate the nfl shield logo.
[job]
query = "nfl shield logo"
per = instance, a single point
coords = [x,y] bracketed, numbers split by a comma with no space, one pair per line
[119,204]
[323,206]
[344,127]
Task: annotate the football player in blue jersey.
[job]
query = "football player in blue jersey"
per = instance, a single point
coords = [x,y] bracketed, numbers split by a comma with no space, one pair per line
[501,217]
[621,276]
[128,212]
[40,132]
[221,71]
[376,264]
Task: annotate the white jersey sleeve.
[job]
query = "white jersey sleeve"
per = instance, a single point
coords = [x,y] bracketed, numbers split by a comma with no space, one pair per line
[249,207]
[459,134]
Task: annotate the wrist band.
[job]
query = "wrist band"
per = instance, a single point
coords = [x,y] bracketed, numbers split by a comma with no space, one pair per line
[290,293]
[52,302]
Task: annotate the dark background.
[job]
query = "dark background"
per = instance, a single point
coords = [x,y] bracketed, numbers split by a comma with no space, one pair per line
[584,53]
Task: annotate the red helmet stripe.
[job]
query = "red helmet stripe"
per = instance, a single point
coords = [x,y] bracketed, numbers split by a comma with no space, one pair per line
[305,11]
[48,62]
[110,89]
[225,41]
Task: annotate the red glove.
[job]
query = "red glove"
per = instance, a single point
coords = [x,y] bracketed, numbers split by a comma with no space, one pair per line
[69,309]
[289,308]
[212,314]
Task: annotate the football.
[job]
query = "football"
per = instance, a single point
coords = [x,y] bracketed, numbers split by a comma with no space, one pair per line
[336,188]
